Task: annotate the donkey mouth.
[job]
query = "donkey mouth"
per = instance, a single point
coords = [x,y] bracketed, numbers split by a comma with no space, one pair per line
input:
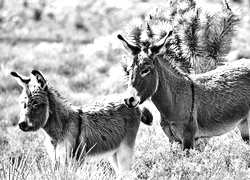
[26,129]
[131,104]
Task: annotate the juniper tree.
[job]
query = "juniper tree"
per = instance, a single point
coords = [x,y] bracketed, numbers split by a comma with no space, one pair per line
[199,41]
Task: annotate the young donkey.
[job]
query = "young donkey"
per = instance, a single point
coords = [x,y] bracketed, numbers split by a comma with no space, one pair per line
[106,127]
[218,100]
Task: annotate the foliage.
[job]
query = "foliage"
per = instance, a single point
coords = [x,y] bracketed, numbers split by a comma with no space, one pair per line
[200,39]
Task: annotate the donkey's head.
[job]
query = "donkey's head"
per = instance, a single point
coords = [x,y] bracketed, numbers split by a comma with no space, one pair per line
[34,101]
[141,70]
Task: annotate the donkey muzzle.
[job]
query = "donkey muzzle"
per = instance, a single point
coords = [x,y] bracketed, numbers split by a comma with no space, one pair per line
[131,102]
[24,126]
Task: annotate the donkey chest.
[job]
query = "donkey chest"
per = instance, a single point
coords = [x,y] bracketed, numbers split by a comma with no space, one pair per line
[177,117]
[176,112]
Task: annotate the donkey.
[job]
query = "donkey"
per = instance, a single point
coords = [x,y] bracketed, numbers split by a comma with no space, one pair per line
[204,105]
[105,128]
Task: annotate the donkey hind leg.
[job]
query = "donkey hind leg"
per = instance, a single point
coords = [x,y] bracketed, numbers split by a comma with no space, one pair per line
[243,126]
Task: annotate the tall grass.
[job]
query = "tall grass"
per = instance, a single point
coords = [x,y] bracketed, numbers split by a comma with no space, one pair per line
[224,157]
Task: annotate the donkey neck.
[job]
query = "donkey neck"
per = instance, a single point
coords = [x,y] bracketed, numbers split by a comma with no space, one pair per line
[170,87]
[61,118]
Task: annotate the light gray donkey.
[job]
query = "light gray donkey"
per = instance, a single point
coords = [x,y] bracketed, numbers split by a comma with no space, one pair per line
[218,100]
[105,128]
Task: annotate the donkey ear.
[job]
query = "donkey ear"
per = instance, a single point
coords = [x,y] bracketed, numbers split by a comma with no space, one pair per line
[134,50]
[160,44]
[22,80]
[40,79]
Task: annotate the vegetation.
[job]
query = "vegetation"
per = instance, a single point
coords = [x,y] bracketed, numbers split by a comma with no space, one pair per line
[52,36]
[198,39]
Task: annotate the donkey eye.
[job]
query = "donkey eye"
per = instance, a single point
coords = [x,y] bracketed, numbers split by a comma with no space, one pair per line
[144,72]
[35,104]
[24,105]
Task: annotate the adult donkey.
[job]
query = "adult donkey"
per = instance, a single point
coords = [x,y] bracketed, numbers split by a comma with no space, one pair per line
[217,101]
[104,128]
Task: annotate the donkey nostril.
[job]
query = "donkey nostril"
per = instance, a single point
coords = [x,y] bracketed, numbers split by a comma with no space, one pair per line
[22,125]
[131,100]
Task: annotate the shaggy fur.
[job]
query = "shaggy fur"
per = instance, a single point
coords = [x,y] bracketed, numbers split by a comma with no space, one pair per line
[104,128]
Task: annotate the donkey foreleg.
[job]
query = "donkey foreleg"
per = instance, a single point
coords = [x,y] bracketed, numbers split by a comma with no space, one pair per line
[124,157]
[167,130]
[188,140]
[113,161]
[189,130]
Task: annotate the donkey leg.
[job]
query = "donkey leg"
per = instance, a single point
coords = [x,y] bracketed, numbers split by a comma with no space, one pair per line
[167,130]
[190,130]
[113,162]
[243,126]
[166,127]
[188,137]
[124,157]
[248,124]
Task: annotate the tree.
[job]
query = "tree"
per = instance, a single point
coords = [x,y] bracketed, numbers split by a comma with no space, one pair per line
[200,40]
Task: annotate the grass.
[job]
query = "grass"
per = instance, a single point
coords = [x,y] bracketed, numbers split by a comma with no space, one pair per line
[224,157]
[85,72]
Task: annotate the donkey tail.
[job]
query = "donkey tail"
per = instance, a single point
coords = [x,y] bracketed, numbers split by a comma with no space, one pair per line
[147,117]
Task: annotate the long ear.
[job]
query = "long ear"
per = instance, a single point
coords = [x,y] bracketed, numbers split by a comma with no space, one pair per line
[40,79]
[134,50]
[22,80]
[160,44]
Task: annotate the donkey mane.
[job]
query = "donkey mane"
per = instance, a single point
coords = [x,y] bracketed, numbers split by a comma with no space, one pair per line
[173,66]
[56,92]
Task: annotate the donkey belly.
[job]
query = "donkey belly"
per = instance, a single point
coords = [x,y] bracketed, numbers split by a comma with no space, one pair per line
[101,155]
[220,119]
[216,129]
[108,153]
